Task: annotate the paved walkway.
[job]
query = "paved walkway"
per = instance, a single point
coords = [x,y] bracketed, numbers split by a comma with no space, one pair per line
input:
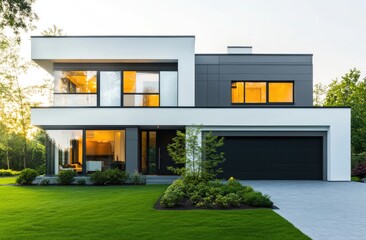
[321,210]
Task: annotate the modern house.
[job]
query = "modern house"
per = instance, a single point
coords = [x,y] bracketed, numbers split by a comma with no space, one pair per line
[118,101]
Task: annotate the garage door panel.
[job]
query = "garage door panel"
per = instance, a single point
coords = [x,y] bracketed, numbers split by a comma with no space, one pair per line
[273,157]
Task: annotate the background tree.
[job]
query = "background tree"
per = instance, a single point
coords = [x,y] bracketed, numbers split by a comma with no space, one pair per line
[53,31]
[349,91]
[196,157]
[17,15]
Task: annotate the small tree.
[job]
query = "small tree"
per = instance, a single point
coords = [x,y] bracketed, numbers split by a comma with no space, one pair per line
[196,155]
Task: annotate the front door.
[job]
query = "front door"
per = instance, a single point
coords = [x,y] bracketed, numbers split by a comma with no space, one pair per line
[155,159]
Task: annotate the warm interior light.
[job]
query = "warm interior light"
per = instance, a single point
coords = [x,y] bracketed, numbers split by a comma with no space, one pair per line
[237,92]
[281,92]
[129,81]
[255,92]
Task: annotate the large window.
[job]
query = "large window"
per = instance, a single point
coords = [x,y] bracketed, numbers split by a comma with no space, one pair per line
[262,92]
[75,88]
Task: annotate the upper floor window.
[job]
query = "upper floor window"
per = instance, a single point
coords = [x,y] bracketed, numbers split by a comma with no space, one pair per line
[262,92]
[141,89]
[75,88]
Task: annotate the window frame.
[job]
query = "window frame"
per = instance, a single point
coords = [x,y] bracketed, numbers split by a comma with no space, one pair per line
[267,92]
[141,94]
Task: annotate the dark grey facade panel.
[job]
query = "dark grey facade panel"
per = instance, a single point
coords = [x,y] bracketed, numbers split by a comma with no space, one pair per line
[213,68]
[207,59]
[302,96]
[266,77]
[132,155]
[201,93]
[265,59]
[201,68]
[213,77]
[213,91]
[265,69]
[201,77]
[225,94]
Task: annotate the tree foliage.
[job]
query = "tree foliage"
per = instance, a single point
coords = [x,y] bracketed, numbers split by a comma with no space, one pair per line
[53,31]
[17,15]
[194,156]
[350,91]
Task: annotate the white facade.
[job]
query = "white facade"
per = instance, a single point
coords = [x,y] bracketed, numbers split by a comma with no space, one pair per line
[334,121]
[49,50]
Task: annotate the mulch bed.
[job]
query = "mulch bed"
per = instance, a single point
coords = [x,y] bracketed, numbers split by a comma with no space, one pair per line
[186,205]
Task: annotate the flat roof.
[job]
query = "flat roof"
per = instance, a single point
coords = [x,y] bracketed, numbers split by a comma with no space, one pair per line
[118,36]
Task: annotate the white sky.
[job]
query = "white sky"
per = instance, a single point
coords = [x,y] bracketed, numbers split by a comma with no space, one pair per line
[333,30]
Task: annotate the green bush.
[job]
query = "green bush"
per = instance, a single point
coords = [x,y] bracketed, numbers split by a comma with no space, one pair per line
[357,159]
[115,176]
[257,199]
[232,186]
[27,176]
[81,181]
[173,195]
[41,169]
[66,177]
[44,182]
[98,178]
[136,178]
[8,172]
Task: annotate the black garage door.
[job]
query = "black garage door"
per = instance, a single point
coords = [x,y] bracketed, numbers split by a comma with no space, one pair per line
[281,158]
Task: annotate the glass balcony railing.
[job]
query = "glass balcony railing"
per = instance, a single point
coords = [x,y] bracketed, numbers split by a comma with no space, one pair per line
[74,100]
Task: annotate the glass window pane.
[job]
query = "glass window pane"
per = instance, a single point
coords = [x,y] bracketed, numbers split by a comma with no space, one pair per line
[237,92]
[152,152]
[281,92]
[144,152]
[75,81]
[255,92]
[110,88]
[140,100]
[66,99]
[168,89]
[140,82]
[68,150]
[105,149]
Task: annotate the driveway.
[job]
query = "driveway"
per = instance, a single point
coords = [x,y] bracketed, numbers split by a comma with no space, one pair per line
[321,210]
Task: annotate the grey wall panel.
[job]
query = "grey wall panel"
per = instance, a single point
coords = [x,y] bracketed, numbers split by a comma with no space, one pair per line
[302,98]
[225,93]
[251,67]
[213,68]
[200,68]
[132,150]
[201,77]
[207,59]
[267,77]
[273,59]
[201,93]
[213,93]
[213,77]
[265,68]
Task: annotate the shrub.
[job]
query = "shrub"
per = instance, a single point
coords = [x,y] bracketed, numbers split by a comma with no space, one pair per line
[8,172]
[66,177]
[359,171]
[41,169]
[232,186]
[173,195]
[98,178]
[27,176]
[357,159]
[115,176]
[136,178]
[81,181]
[230,200]
[44,182]
[257,199]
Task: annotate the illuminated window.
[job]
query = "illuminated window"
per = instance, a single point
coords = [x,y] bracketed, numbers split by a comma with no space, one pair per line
[281,92]
[141,89]
[237,92]
[75,81]
[255,92]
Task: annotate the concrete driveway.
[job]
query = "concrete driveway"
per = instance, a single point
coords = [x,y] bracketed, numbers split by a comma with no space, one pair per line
[321,210]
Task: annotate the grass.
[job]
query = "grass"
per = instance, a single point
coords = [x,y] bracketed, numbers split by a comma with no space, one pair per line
[125,212]
[7,180]
[355,179]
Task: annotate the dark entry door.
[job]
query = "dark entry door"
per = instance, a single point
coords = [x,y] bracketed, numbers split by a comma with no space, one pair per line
[274,158]
[164,138]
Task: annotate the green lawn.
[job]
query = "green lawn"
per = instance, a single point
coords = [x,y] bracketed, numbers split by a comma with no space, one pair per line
[7,180]
[125,212]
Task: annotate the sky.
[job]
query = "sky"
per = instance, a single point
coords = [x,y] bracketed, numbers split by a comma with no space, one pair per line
[332,30]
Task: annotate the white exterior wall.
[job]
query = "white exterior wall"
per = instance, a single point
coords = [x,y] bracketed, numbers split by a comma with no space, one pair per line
[48,50]
[335,121]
